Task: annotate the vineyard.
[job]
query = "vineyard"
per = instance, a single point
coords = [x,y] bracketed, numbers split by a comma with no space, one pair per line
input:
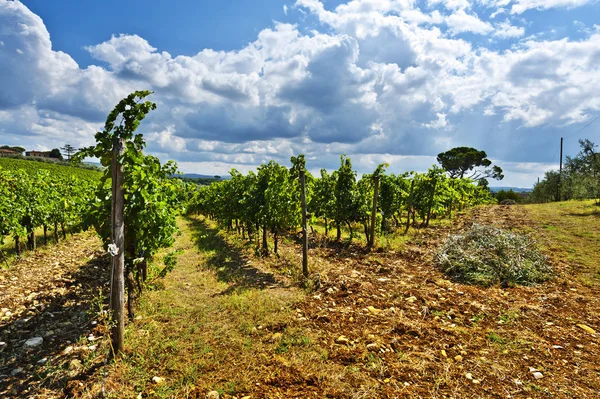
[268,201]
[177,293]
[42,195]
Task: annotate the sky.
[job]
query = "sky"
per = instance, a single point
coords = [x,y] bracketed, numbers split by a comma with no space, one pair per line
[238,83]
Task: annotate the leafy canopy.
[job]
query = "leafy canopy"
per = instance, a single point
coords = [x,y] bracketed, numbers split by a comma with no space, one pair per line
[461,160]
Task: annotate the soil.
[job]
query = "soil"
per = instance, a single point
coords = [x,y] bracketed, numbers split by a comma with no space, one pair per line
[50,294]
[390,320]
[415,334]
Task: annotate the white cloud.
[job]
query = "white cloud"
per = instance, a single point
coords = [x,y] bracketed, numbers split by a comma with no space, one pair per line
[451,4]
[383,80]
[505,30]
[460,21]
[520,6]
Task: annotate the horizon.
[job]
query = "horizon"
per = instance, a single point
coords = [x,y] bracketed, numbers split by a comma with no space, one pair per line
[239,84]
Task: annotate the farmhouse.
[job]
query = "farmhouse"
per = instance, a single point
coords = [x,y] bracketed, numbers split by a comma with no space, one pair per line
[39,154]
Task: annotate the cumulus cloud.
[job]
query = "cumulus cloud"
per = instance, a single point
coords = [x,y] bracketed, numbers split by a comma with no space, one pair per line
[505,30]
[460,21]
[379,80]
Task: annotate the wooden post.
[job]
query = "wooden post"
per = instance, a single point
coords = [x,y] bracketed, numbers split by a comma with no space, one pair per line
[117,287]
[17,247]
[304,229]
[374,211]
[410,201]
[430,203]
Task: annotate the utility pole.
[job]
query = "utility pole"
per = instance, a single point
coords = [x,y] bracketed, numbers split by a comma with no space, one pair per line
[560,168]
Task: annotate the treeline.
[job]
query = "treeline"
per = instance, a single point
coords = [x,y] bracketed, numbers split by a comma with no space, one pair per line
[268,201]
[580,178]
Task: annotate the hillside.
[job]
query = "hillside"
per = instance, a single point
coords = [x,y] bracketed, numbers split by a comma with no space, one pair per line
[13,164]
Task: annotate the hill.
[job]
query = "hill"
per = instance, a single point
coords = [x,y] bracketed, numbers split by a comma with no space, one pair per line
[54,168]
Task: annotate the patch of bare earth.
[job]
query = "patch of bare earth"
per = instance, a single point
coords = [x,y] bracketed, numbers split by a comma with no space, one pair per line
[47,303]
[398,328]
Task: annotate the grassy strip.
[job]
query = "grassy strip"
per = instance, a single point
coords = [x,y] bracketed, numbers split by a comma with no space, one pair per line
[571,231]
[215,325]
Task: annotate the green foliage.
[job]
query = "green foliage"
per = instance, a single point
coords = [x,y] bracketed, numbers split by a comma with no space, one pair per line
[510,195]
[32,165]
[269,200]
[55,153]
[580,178]
[48,195]
[486,255]
[345,192]
[152,198]
[461,160]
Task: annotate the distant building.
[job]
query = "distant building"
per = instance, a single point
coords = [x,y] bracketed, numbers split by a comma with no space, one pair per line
[39,154]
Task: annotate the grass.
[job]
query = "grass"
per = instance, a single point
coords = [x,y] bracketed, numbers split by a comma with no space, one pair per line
[571,230]
[211,327]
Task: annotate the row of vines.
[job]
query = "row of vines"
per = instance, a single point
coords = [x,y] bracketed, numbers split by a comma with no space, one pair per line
[268,201]
[32,198]
[149,199]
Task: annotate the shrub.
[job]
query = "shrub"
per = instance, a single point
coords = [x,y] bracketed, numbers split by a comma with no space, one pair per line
[485,255]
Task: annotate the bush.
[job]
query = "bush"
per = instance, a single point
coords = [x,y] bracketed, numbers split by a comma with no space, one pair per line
[485,255]
[508,202]
[503,195]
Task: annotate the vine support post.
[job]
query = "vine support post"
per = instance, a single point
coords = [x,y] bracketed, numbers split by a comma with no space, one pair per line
[410,204]
[304,229]
[374,211]
[117,286]
[430,202]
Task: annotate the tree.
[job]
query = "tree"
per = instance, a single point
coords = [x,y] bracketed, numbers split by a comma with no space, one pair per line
[462,160]
[69,150]
[55,153]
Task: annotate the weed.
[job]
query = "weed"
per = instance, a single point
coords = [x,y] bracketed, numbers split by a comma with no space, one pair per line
[495,338]
[509,317]
[478,317]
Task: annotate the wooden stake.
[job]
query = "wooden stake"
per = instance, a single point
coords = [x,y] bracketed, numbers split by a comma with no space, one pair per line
[304,229]
[374,211]
[117,288]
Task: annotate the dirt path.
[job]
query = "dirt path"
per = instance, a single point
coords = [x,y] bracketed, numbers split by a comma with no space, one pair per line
[46,302]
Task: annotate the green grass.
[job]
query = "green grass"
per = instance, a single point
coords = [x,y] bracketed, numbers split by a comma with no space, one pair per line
[209,328]
[571,231]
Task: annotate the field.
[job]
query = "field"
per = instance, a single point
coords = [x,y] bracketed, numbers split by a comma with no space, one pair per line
[378,324]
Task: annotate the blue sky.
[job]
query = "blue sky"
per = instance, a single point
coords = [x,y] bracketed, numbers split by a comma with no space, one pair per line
[238,82]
